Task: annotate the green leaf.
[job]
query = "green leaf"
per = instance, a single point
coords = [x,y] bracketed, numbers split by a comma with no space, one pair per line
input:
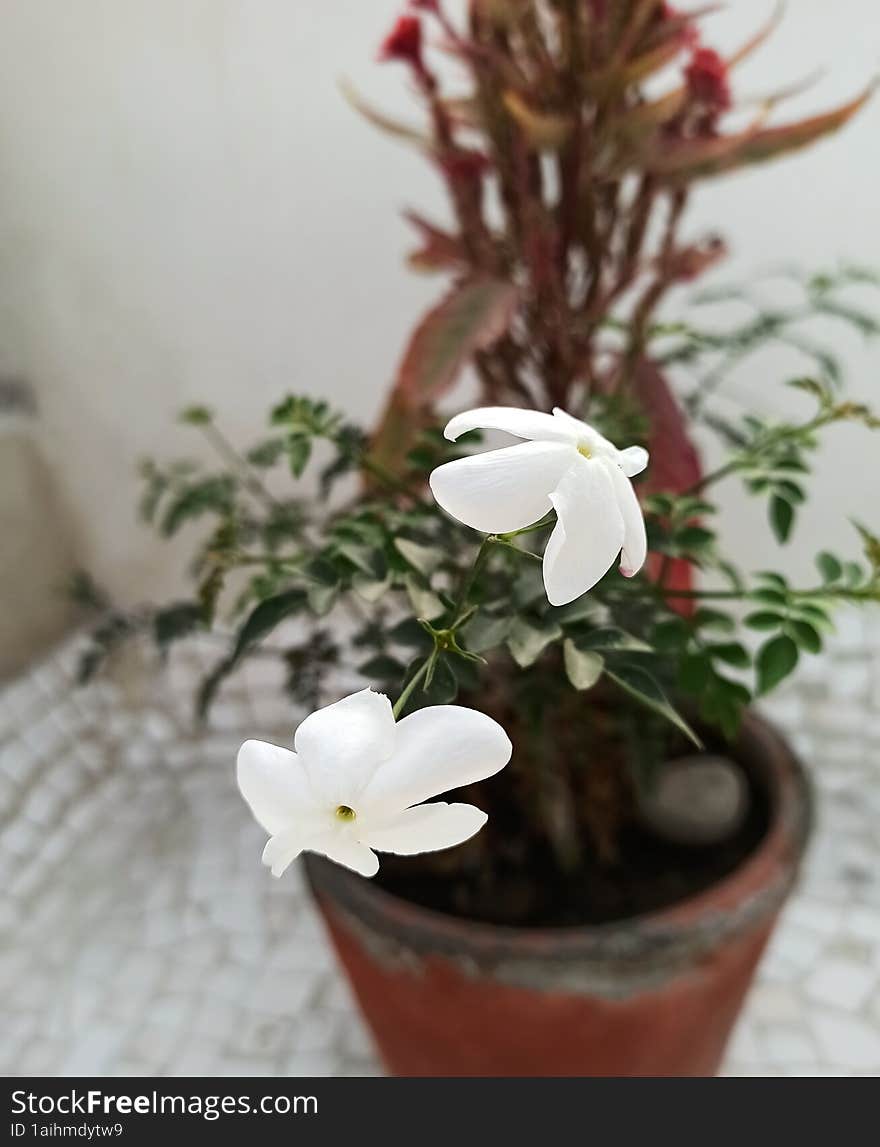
[610,639]
[425,559]
[409,632]
[424,601]
[299,450]
[781,518]
[210,685]
[732,653]
[177,621]
[732,574]
[369,588]
[693,539]
[714,619]
[853,573]
[381,668]
[368,561]
[769,597]
[322,598]
[267,453]
[805,635]
[209,495]
[485,631]
[209,591]
[775,579]
[815,614]
[528,640]
[322,571]
[442,689]
[764,619]
[196,415]
[790,491]
[529,586]
[829,567]
[669,634]
[640,685]
[776,659]
[584,668]
[723,703]
[466,672]
[581,609]
[693,672]
[267,615]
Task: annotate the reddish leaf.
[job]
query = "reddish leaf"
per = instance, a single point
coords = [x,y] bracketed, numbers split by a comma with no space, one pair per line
[754,42]
[396,433]
[675,467]
[542,130]
[675,463]
[647,64]
[475,313]
[653,113]
[692,159]
[440,251]
[383,122]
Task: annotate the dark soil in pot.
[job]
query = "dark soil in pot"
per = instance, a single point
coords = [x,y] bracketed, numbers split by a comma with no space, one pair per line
[514,872]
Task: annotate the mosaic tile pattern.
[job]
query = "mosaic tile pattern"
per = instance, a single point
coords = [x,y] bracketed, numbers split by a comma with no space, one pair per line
[140,935]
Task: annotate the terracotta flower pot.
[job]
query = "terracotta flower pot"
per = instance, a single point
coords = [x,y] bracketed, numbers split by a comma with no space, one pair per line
[657,994]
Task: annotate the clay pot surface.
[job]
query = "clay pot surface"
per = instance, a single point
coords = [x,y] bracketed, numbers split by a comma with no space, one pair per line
[654,995]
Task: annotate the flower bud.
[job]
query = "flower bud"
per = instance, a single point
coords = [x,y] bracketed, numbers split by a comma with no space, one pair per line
[707,80]
[404,43]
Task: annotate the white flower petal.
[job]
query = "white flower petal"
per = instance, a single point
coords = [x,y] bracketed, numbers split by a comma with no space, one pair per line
[635,541]
[274,783]
[588,534]
[567,423]
[426,828]
[348,851]
[532,424]
[586,435]
[439,748]
[502,490]
[632,460]
[341,744]
[281,850]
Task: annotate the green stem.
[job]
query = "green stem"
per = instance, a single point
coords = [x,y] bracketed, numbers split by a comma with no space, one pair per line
[841,592]
[483,555]
[502,541]
[230,455]
[710,478]
[415,680]
[460,614]
[467,585]
[547,520]
[771,440]
[267,559]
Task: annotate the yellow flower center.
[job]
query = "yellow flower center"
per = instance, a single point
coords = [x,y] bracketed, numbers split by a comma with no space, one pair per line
[345,813]
[585,451]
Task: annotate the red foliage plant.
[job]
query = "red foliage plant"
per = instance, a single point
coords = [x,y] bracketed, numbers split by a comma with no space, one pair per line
[567,123]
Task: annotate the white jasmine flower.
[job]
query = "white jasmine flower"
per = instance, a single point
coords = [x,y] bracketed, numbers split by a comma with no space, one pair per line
[356,780]
[565,465]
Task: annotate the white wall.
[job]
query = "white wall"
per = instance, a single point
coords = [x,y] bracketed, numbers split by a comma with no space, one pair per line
[189,210]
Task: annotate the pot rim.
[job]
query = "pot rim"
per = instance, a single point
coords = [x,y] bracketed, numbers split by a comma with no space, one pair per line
[748,895]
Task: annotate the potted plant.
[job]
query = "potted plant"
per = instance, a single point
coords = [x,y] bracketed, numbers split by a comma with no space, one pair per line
[598,904]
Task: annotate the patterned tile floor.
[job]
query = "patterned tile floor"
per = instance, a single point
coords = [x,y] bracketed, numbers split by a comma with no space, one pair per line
[139,933]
